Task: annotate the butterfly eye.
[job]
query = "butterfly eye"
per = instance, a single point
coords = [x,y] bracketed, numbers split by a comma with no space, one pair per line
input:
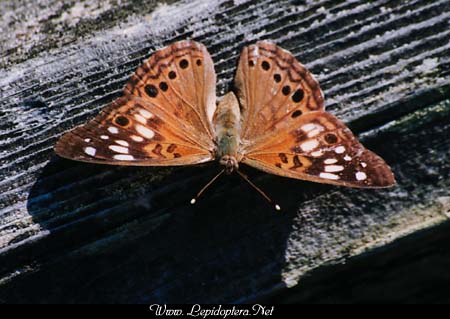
[199,62]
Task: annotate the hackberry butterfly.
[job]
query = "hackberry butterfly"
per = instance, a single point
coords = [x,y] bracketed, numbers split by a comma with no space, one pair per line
[275,121]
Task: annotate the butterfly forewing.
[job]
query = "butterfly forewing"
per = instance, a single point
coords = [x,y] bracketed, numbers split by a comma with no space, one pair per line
[162,119]
[272,87]
[181,81]
[285,130]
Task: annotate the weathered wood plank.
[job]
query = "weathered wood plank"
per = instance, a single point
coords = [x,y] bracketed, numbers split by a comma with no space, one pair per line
[73,232]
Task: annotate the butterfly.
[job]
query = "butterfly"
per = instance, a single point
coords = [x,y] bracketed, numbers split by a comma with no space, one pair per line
[274,121]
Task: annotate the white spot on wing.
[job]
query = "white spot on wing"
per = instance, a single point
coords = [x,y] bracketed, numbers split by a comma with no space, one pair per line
[334,168]
[140,119]
[309,145]
[118,149]
[360,176]
[363,164]
[329,176]
[123,143]
[87,140]
[308,127]
[90,151]
[104,137]
[113,130]
[317,153]
[314,132]
[347,158]
[339,149]
[122,157]
[137,138]
[145,132]
[330,161]
[146,114]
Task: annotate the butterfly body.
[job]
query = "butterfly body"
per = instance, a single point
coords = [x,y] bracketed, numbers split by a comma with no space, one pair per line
[227,130]
[275,121]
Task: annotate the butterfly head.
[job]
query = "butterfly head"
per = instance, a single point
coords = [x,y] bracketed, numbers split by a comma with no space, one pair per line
[230,163]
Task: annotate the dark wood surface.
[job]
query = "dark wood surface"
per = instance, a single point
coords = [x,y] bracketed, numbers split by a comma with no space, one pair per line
[72,232]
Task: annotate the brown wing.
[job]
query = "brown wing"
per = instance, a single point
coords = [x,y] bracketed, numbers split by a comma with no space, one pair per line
[131,132]
[285,130]
[163,118]
[181,81]
[321,149]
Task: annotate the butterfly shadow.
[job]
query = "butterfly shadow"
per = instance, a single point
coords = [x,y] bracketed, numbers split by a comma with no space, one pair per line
[129,234]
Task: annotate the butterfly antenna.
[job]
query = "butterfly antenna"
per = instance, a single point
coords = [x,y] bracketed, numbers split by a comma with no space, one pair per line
[277,207]
[194,200]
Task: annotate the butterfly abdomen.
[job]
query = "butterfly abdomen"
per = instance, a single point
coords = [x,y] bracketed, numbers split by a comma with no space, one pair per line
[226,127]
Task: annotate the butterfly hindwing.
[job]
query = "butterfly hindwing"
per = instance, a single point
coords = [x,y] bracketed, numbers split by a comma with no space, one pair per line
[162,119]
[321,149]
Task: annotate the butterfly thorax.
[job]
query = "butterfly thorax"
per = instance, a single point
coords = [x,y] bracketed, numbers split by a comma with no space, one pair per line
[226,123]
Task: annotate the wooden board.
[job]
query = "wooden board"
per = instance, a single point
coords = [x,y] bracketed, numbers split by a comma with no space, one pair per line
[73,232]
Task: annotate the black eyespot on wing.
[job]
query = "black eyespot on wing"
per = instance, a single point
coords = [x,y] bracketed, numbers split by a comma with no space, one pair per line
[286,90]
[296,113]
[298,95]
[277,78]
[331,138]
[265,65]
[184,64]
[121,120]
[151,90]
[163,86]
[172,75]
